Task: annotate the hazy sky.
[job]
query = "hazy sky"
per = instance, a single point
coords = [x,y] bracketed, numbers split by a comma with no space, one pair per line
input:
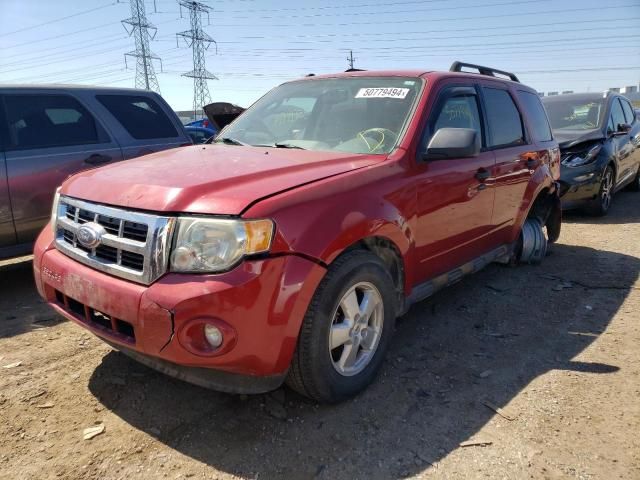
[552,45]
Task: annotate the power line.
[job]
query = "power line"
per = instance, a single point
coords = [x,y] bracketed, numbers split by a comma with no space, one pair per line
[341,6]
[339,37]
[421,20]
[277,58]
[199,41]
[54,37]
[55,20]
[394,12]
[139,28]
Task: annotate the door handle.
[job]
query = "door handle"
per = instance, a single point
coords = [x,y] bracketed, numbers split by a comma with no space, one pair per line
[97,159]
[483,174]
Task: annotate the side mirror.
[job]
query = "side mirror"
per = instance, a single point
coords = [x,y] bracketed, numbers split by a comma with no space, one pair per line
[624,128]
[453,143]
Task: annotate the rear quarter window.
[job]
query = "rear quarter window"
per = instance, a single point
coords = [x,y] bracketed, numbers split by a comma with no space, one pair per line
[140,116]
[536,116]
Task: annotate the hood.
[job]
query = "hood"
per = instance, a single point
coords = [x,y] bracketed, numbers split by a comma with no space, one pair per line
[210,179]
[569,138]
[221,114]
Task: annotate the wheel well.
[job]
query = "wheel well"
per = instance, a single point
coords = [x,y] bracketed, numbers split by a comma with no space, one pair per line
[547,209]
[541,206]
[390,255]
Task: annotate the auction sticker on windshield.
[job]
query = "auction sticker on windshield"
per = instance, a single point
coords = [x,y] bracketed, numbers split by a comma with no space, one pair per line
[382,93]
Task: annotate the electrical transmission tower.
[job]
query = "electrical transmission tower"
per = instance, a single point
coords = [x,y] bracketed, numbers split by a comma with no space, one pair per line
[138,27]
[351,60]
[199,41]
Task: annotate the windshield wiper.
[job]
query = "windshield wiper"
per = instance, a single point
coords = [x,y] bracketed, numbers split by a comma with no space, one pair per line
[288,145]
[231,141]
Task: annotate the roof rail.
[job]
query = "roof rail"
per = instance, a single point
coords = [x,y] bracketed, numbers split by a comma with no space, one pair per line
[458,66]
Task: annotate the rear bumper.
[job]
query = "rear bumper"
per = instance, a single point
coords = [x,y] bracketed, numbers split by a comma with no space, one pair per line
[260,305]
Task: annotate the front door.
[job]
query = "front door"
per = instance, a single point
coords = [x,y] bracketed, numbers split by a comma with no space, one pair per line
[51,136]
[624,143]
[455,196]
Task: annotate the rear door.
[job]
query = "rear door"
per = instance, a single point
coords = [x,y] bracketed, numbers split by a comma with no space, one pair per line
[52,135]
[507,140]
[143,123]
[455,196]
[7,231]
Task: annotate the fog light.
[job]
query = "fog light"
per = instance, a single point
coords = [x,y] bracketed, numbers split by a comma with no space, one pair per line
[206,336]
[213,335]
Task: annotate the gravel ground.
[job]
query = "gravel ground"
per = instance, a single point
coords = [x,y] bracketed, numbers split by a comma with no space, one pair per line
[528,372]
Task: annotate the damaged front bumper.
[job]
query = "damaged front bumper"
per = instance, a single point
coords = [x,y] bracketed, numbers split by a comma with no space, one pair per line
[260,305]
[579,185]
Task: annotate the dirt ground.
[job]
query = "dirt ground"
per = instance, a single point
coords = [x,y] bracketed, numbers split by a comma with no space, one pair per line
[555,349]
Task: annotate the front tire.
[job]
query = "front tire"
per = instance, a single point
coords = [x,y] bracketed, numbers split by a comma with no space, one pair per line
[600,206]
[346,331]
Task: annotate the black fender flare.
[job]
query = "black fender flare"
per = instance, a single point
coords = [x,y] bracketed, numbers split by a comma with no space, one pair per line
[554,218]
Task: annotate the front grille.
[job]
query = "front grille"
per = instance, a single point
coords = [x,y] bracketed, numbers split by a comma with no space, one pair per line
[131,230]
[135,245]
[120,329]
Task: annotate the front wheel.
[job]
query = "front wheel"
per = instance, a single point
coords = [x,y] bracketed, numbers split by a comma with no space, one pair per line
[600,206]
[346,331]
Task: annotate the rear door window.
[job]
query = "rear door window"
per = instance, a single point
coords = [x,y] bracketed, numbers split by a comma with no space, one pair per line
[141,116]
[42,121]
[536,115]
[505,122]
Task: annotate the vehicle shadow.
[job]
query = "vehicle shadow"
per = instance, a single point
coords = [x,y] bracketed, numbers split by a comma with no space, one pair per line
[624,209]
[21,308]
[517,323]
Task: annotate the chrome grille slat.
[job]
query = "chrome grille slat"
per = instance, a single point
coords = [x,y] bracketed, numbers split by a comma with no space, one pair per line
[122,252]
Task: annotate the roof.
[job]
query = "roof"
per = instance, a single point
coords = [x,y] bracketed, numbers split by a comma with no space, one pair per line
[60,86]
[409,73]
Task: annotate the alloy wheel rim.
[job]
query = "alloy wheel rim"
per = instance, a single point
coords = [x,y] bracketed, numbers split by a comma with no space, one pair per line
[356,328]
[607,185]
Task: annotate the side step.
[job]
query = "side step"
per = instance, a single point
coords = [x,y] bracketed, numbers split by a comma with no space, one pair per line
[424,290]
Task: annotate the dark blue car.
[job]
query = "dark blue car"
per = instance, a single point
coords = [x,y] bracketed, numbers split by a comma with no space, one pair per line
[200,134]
[599,138]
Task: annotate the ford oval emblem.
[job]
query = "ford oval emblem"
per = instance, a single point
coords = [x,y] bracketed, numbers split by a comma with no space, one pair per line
[90,234]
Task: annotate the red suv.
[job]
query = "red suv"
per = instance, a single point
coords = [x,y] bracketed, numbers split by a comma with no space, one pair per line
[285,250]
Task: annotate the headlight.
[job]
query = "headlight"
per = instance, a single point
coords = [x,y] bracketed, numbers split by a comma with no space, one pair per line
[216,245]
[54,210]
[578,160]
